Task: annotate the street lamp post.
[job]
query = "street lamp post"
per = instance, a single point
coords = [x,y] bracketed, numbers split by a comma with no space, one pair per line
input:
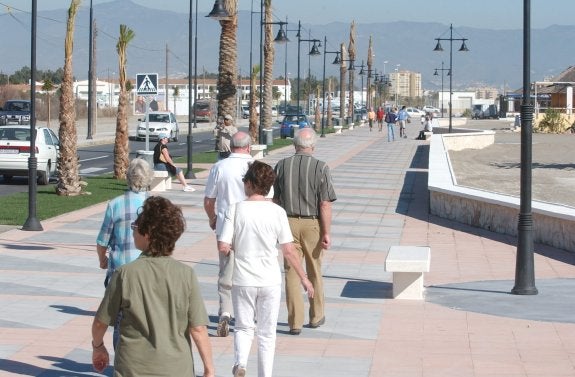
[439,48]
[437,74]
[524,264]
[397,85]
[313,52]
[32,223]
[90,76]
[336,61]
[190,173]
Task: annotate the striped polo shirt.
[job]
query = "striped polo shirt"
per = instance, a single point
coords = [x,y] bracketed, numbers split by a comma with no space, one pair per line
[302,183]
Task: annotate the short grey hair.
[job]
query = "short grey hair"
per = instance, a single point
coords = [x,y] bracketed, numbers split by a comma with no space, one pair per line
[306,138]
[139,175]
[241,140]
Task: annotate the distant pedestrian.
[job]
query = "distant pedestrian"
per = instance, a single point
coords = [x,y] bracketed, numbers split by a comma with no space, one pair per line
[160,301]
[253,228]
[428,125]
[391,119]
[304,188]
[380,115]
[402,119]
[370,118]
[225,133]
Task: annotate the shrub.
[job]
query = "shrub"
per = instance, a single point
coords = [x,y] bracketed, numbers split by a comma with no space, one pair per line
[552,122]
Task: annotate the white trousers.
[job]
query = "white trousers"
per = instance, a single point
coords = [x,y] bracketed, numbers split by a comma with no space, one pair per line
[256,306]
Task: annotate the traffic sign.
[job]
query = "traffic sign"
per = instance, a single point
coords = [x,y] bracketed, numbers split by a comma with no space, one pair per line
[147,83]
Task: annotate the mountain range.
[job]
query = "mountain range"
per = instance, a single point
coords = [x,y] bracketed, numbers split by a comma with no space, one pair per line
[494,59]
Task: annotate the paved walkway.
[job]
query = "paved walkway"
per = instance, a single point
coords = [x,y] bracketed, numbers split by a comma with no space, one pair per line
[468,324]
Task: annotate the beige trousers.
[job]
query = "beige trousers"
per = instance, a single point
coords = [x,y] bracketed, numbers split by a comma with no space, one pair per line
[306,234]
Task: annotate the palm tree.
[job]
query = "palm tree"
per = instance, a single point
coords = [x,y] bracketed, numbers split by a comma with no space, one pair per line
[253,122]
[68,168]
[121,144]
[369,64]
[268,67]
[47,87]
[227,75]
[351,75]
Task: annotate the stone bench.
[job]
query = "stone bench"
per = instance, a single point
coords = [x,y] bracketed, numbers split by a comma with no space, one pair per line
[408,263]
[258,150]
[161,181]
[337,129]
[427,135]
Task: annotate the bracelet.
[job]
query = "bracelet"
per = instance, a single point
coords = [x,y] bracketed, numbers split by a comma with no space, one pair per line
[96,347]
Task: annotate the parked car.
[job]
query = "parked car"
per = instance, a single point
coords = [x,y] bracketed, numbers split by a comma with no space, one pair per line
[484,112]
[245,112]
[159,122]
[415,113]
[15,111]
[290,122]
[15,152]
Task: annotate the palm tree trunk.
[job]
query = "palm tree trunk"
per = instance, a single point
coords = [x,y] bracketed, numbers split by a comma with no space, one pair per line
[268,68]
[68,166]
[227,77]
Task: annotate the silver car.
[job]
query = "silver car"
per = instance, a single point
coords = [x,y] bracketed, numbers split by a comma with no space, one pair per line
[160,122]
[15,152]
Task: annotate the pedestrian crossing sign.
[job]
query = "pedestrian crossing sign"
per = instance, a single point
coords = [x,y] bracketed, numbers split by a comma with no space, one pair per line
[147,83]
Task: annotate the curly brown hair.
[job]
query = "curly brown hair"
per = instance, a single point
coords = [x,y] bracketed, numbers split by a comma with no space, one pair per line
[261,176]
[164,222]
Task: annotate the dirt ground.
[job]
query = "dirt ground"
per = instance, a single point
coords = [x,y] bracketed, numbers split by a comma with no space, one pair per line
[497,168]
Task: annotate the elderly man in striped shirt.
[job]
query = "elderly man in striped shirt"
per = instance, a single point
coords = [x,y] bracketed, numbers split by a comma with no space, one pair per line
[304,188]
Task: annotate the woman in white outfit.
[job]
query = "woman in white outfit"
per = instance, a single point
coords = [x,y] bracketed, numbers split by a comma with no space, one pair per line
[254,228]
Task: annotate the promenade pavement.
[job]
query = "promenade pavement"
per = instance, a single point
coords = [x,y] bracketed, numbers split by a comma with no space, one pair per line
[468,324]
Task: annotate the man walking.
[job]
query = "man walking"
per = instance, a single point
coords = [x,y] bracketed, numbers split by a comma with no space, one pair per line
[304,188]
[402,119]
[224,188]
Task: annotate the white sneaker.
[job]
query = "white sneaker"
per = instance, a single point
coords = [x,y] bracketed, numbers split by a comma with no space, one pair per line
[188,188]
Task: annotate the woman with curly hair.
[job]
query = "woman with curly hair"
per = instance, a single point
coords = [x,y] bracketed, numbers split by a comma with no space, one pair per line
[160,301]
[255,226]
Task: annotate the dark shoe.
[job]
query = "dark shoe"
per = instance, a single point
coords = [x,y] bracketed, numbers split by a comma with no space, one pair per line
[294,331]
[224,326]
[317,324]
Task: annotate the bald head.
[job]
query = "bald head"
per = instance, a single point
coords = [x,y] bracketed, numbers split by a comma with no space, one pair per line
[241,142]
[305,139]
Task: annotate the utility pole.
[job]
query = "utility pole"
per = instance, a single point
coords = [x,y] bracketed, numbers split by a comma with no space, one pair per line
[166,84]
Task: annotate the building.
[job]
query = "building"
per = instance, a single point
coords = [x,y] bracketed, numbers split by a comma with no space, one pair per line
[405,84]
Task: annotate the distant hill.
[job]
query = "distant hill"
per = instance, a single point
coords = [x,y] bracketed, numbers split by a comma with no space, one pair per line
[494,59]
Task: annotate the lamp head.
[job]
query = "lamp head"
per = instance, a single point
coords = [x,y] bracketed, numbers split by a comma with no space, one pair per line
[337,60]
[281,37]
[314,50]
[435,73]
[438,46]
[218,11]
[463,47]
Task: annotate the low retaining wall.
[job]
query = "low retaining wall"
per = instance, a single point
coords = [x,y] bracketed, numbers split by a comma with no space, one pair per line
[553,224]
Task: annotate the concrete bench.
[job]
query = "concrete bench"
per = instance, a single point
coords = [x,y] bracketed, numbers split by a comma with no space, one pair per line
[161,181]
[337,129]
[427,135]
[257,151]
[408,263]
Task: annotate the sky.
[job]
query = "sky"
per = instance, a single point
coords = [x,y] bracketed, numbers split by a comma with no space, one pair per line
[490,14]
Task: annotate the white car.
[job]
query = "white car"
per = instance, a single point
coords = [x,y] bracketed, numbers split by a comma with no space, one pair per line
[160,122]
[15,152]
[415,113]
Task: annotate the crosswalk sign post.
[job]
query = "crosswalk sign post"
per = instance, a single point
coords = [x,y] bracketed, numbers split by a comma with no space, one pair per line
[147,86]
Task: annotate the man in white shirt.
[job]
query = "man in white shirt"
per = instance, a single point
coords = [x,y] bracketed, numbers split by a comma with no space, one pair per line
[224,188]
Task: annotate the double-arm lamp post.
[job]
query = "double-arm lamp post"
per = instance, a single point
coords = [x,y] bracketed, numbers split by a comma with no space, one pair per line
[335,61]
[382,80]
[439,48]
[313,52]
[436,73]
